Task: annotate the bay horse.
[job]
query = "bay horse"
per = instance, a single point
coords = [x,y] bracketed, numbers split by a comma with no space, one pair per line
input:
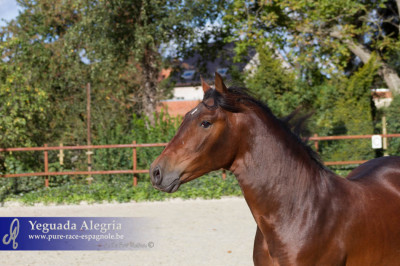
[305,213]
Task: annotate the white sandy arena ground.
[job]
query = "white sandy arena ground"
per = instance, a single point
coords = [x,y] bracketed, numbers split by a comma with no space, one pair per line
[188,232]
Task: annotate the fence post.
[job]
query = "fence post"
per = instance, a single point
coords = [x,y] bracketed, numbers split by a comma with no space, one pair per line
[223,174]
[384,132]
[61,155]
[316,143]
[134,158]
[89,178]
[89,139]
[46,166]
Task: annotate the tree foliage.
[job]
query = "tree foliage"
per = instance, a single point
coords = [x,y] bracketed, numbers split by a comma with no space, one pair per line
[23,108]
[347,109]
[274,85]
[331,33]
[393,125]
[338,51]
[115,45]
[341,104]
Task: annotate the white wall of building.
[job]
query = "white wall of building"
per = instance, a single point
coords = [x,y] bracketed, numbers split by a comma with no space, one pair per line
[188,93]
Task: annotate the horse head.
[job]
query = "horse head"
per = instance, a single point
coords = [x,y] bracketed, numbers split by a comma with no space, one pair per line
[207,140]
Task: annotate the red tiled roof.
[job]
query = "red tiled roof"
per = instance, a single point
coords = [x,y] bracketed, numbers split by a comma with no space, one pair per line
[382,94]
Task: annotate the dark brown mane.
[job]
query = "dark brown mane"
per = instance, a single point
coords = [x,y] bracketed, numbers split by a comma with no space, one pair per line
[230,102]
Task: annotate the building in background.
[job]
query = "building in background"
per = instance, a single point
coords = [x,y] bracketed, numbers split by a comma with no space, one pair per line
[187,92]
[382,97]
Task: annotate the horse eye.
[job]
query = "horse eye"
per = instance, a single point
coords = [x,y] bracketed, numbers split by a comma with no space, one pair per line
[205,124]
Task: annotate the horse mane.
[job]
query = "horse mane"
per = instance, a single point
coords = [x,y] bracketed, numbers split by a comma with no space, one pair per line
[292,124]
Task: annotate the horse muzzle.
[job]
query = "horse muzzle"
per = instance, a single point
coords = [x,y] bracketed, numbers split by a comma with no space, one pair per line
[166,182]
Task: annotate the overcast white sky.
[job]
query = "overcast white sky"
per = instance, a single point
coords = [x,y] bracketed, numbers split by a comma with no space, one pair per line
[8,10]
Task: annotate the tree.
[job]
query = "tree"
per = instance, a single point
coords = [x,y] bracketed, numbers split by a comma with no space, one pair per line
[132,34]
[275,85]
[23,118]
[345,108]
[340,105]
[23,109]
[115,45]
[331,33]
[35,44]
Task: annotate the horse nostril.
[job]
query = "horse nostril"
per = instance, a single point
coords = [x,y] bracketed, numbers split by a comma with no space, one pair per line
[157,175]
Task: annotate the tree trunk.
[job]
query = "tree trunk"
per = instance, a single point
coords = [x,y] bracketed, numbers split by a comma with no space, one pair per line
[398,6]
[150,73]
[391,78]
[388,74]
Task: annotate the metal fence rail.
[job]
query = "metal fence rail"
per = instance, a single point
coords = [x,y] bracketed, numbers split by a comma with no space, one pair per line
[47,173]
[317,138]
[134,171]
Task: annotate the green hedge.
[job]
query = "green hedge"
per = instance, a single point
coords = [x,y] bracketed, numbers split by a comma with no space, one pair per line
[207,187]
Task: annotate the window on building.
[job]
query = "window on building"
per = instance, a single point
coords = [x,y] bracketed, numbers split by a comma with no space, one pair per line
[222,71]
[188,74]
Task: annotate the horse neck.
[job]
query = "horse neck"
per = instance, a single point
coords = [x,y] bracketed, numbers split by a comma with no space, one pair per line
[275,171]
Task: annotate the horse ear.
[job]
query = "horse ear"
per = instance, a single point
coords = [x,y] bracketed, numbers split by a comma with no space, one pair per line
[205,85]
[219,84]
